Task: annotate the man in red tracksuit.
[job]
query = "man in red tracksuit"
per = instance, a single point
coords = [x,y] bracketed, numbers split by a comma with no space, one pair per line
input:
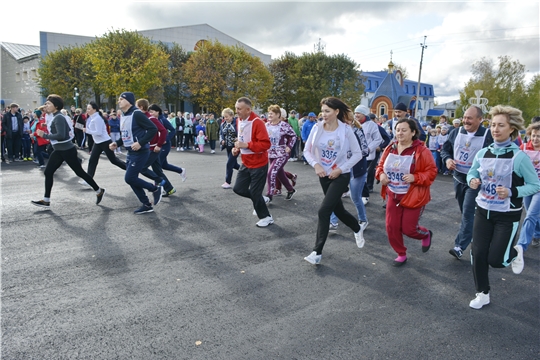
[253,143]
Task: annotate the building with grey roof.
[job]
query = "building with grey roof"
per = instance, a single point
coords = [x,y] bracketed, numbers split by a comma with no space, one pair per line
[20,63]
[19,69]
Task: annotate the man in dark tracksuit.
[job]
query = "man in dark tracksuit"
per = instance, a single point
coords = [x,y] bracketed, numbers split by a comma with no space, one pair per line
[136,132]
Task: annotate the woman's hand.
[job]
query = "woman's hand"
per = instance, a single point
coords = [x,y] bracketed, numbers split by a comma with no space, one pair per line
[287,149]
[384,179]
[40,133]
[319,171]
[502,192]
[408,178]
[335,173]
[474,183]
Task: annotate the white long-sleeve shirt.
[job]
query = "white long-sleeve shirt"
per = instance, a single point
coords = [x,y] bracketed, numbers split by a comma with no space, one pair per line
[348,145]
[95,126]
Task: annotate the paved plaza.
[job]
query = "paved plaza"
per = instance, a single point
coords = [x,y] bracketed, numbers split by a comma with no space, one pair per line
[197,279]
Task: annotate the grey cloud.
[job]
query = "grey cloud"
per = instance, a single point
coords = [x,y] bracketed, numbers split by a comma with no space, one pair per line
[273,25]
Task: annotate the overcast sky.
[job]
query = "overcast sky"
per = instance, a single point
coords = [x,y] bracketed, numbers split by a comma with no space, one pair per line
[458,32]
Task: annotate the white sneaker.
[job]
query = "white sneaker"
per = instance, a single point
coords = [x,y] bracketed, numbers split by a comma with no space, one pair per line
[518,263]
[183,175]
[363,225]
[480,300]
[84,183]
[181,149]
[213,152]
[178,148]
[359,236]
[346,194]
[313,258]
[226,185]
[265,222]
[365,200]
[266,199]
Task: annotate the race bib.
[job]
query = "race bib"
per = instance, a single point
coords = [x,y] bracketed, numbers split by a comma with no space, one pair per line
[395,167]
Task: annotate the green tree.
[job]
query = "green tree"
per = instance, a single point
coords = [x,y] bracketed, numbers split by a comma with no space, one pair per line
[248,76]
[175,86]
[127,61]
[284,82]
[532,107]
[206,73]
[319,75]
[65,69]
[503,83]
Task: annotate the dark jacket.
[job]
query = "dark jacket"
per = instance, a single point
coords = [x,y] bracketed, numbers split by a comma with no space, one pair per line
[447,151]
[7,125]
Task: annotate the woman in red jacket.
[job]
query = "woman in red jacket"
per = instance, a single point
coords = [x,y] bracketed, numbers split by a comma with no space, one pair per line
[42,143]
[406,171]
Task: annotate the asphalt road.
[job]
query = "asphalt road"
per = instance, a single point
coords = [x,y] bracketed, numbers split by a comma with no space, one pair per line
[198,280]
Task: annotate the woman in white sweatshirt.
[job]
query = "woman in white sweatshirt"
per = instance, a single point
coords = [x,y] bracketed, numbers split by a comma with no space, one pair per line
[332,150]
[95,126]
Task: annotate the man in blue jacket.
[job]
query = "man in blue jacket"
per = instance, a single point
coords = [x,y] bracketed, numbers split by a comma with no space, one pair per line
[458,153]
[136,133]
[306,129]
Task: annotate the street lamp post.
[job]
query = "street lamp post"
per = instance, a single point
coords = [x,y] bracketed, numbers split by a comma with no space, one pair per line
[76,97]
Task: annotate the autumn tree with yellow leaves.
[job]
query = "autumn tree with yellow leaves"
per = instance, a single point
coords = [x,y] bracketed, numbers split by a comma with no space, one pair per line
[127,61]
[218,74]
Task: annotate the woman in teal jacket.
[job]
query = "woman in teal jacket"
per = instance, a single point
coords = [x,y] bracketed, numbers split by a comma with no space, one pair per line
[505,176]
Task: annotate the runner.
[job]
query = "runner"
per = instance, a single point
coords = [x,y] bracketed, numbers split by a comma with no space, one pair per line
[64,149]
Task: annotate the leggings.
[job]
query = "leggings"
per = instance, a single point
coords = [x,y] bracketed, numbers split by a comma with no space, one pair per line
[70,157]
[96,153]
[493,235]
[276,171]
[333,189]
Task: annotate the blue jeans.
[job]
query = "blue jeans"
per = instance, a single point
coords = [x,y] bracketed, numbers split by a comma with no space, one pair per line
[232,163]
[40,152]
[531,224]
[436,157]
[165,150]
[467,204]
[356,185]
[135,162]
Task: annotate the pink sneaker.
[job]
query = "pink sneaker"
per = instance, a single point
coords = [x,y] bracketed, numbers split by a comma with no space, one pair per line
[226,185]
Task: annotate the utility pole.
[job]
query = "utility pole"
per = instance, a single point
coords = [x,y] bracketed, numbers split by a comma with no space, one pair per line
[419,76]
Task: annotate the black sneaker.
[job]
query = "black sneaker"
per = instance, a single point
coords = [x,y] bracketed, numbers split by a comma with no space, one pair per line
[290,194]
[157,195]
[42,204]
[100,196]
[144,209]
[456,253]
